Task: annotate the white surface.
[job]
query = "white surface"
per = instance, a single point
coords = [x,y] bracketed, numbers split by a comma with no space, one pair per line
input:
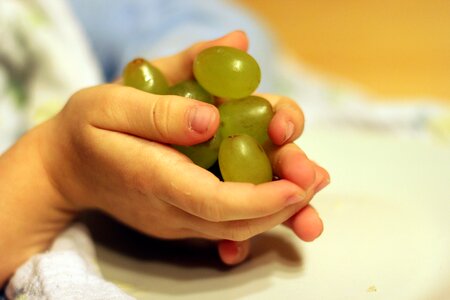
[387,221]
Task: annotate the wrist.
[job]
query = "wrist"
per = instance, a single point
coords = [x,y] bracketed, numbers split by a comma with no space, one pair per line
[33,211]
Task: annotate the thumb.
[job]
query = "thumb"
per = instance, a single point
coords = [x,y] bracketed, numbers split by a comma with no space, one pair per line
[166,119]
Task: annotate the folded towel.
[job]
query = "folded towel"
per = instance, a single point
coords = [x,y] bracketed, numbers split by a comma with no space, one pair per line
[67,271]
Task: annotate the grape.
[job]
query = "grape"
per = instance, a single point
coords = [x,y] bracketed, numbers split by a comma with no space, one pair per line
[204,154]
[250,116]
[242,159]
[191,89]
[227,72]
[142,75]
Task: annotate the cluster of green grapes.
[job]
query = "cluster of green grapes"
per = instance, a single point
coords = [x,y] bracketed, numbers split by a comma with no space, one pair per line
[230,75]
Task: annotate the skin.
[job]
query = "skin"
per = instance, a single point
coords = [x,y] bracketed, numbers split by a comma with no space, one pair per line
[107,150]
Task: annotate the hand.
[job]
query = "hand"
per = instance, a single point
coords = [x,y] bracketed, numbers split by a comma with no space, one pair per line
[108,150]
[215,210]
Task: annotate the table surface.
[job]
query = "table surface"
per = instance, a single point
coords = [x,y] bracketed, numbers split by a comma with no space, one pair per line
[395,48]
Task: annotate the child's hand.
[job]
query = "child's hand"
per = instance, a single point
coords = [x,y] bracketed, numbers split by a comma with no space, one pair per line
[111,132]
[108,150]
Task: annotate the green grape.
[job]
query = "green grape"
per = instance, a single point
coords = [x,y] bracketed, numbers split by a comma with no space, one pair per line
[227,72]
[142,75]
[242,159]
[204,154]
[250,116]
[191,89]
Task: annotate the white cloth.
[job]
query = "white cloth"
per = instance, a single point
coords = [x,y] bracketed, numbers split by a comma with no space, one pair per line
[67,271]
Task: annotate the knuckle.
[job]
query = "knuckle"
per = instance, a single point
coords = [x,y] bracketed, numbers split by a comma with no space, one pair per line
[160,116]
[107,94]
[95,101]
[208,211]
[184,198]
[239,230]
[76,100]
[134,181]
[203,208]
[216,208]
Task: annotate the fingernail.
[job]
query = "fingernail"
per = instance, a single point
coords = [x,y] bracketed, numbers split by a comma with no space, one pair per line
[200,118]
[230,251]
[289,131]
[297,198]
[317,181]
[322,185]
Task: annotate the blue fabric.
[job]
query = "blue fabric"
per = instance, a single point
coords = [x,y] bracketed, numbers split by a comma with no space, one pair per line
[120,30]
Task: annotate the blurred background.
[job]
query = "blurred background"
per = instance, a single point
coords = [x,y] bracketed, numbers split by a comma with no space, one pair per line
[396,49]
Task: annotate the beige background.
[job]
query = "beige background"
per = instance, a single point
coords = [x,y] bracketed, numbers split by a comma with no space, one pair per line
[395,48]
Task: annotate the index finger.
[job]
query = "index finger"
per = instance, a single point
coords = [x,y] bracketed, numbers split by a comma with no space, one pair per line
[200,193]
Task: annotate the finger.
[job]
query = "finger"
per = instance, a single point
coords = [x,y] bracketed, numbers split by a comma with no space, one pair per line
[244,229]
[232,252]
[291,163]
[163,185]
[306,224]
[178,67]
[199,192]
[218,201]
[235,230]
[165,174]
[287,124]
[166,119]
[322,178]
